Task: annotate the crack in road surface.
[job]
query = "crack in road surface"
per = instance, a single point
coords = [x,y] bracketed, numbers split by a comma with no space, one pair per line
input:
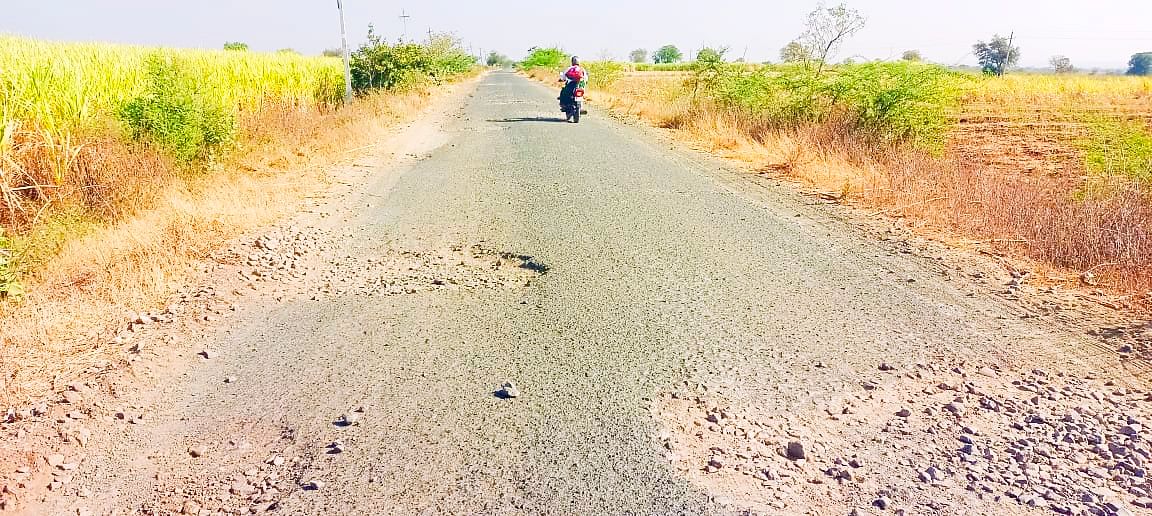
[666,291]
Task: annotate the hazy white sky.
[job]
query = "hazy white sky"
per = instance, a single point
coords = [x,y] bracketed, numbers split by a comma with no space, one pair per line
[1100,33]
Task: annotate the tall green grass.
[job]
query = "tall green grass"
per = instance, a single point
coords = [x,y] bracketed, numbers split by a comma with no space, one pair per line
[63,87]
[89,132]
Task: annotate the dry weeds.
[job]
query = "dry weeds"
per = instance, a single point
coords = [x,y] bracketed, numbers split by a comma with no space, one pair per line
[170,221]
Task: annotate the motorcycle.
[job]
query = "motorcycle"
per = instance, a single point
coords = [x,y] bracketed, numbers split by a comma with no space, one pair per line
[573,107]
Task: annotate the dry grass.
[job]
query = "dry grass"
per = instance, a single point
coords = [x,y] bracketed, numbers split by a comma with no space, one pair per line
[90,283]
[979,190]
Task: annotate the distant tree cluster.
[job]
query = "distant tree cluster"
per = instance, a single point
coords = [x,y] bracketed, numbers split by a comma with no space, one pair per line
[638,56]
[236,46]
[1140,64]
[498,60]
[912,55]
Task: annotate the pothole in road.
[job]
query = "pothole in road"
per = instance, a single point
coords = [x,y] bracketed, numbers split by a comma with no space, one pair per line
[401,272]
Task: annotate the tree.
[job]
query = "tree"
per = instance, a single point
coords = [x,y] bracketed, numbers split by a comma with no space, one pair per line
[333,52]
[496,59]
[912,55]
[668,54]
[288,51]
[1061,64]
[997,55]
[236,46]
[711,55]
[638,56]
[794,52]
[826,30]
[1140,64]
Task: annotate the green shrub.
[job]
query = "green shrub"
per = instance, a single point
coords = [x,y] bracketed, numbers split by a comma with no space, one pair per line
[783,96]
[885,102]
[604,73]
[177,115]
[378,64]
[898,102]
[1119,148]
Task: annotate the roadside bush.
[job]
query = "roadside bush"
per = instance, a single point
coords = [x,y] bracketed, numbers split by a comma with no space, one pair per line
[543,58]
[783,96]
[604,73]
[177,115]
[898,102]
[884,102]
[378,64]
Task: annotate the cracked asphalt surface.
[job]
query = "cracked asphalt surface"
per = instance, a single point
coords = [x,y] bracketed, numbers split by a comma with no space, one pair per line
[658,272]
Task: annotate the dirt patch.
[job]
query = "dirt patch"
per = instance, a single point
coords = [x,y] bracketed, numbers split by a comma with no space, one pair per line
[1042,149]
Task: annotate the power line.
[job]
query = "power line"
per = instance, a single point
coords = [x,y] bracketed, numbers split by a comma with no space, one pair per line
[404,19]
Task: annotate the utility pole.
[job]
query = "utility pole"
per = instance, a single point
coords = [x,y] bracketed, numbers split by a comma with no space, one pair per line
[404,19]
[1007,54]
[347,58]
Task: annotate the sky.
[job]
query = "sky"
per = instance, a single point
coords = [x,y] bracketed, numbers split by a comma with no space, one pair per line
[1096,34]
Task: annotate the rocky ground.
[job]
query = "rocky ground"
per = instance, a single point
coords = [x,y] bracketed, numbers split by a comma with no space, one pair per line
[931,439]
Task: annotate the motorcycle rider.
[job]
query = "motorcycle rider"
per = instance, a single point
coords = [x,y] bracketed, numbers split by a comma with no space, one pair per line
[574,77]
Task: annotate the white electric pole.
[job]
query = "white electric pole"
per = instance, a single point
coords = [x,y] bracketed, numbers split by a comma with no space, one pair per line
[347,58]
[404,16]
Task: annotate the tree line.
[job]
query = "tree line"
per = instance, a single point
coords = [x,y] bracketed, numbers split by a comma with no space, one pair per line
[827,28]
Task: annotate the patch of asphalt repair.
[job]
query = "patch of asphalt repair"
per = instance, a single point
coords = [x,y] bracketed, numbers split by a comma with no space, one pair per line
[347,363]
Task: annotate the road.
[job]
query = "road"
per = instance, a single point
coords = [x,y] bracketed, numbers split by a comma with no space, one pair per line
[590,264]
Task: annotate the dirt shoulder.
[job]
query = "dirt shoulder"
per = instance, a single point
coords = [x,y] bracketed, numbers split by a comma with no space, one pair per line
[48,440]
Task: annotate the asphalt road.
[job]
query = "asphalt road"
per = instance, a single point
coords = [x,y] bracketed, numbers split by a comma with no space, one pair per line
[646,271]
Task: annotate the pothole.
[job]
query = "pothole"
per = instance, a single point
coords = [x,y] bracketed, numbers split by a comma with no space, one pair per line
[405,272]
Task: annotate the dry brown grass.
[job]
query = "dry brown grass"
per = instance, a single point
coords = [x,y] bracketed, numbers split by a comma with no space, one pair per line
[78,292]
[1067,221]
